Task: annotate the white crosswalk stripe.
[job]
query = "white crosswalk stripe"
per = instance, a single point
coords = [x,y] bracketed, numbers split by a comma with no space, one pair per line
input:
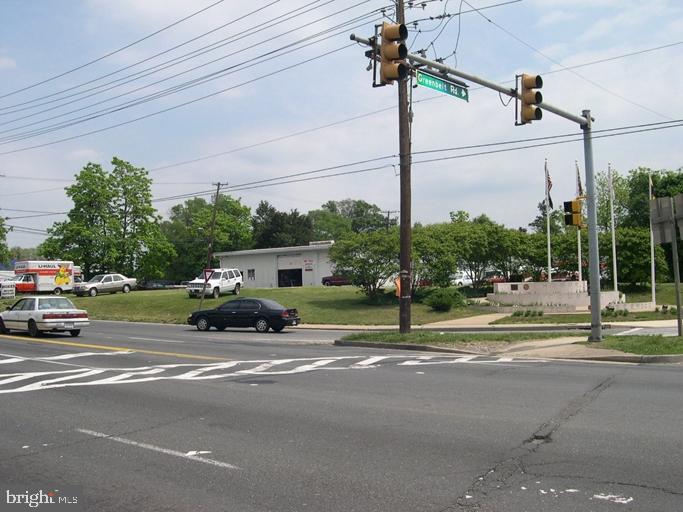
[19,382]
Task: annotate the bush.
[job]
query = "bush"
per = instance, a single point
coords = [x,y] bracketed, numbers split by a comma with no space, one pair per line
[517,312]
[420,294]
[443,299]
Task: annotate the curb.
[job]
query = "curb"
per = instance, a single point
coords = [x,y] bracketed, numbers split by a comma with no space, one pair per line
[626,358]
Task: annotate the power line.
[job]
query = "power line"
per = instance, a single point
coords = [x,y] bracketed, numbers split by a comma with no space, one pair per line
[192,83]
[158,67]
[111,53]
[592,82]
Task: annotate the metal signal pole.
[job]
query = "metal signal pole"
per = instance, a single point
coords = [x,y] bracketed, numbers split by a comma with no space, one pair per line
[209,255]
[406,222]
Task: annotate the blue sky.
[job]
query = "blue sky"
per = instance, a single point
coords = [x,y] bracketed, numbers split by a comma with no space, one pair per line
[41,39]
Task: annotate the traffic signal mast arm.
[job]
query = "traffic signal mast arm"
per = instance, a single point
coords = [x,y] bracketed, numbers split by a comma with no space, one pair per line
[582,121]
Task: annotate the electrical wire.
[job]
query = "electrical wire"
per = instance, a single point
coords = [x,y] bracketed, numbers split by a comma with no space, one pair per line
[114,52]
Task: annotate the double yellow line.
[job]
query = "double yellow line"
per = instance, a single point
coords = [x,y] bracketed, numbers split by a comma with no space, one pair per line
[110,347]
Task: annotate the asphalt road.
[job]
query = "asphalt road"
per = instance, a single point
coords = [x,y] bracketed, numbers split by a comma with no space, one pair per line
[131,418]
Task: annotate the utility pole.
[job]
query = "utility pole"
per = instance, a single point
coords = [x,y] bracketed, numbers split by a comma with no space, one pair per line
[209,255]
[406,217]
[389,212]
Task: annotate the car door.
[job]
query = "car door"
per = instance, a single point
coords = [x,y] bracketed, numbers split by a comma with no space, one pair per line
[23,314]
[227,315]
[10,317]
[230,285]
[107,284]
[117,283]
[249,312]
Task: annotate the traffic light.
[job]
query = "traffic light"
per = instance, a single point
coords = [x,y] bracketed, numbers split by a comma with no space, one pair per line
[531,97]
[573,213]
[393,52]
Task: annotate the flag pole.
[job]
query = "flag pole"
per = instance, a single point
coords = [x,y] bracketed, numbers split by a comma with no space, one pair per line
[611,212]
[652,242]
[579,193]
[547,218]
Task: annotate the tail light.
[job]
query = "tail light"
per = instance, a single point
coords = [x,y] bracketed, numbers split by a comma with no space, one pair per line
[285,314]
[64,316]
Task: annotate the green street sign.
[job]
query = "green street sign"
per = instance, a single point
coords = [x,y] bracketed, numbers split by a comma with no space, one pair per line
[441,85]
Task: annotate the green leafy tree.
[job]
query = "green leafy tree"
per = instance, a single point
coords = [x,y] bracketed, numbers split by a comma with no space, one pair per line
[188,230]
[478,245]
[369,259]
[23,253]
[328,225]
[141,248]
[434,255]
[538,225]
[633,256]
[363,216]
[273,228]
[112,225]
[4,251]
[88,235]
[509,247]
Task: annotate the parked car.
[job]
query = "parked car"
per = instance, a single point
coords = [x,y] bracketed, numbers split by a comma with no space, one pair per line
[461,279]
[43,314]
[261,314]
[220,282]
[335,281]
[105,283]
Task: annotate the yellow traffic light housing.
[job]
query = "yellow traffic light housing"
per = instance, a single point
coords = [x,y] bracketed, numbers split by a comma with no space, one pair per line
[393,52]
[573,213]
[531,98]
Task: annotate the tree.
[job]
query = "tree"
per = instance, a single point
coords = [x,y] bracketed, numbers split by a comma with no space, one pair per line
[556,220]
[87,237]
[363,216]
[23,253]
[369,259]
[273,228]
[188,230]
[509,248]
[112,225]
[4,252]
[434,255]
[329,225]
[633,256]
[141,248]
[477,242]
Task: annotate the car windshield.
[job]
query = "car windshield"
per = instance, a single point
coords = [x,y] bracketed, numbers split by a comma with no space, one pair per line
[55,303]
[201,277]
[96,279]
[271,304]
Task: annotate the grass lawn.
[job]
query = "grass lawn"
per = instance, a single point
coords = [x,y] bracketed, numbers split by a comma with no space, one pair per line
[664,293]
[644,345]
[571,318]
[453,338]
[316,305]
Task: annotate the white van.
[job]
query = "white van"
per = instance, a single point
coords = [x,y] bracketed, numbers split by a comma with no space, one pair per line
[220,281]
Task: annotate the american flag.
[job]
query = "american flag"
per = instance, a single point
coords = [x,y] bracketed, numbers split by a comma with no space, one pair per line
[579,186]
[548,186]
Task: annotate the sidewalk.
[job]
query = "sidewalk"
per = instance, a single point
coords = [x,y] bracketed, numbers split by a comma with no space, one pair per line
[572,347]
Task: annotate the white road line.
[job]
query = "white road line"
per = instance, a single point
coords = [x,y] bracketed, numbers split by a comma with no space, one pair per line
[630,331]
[368,363]
[12,360]
[188,455]
[154,339]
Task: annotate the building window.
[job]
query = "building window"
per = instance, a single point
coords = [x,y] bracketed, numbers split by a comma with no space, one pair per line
[251,274]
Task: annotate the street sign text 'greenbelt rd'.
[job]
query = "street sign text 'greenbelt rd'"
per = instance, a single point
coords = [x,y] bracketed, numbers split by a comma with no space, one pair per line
[441,85]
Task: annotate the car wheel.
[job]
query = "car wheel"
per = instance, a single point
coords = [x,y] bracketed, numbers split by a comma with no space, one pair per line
[93,292]
[261,325]
[278,329]
[57,291]
[3,329]
[33,330]
[327,283]
[203,324]
[75,332]
[126,288]
[236,291]
[216,293]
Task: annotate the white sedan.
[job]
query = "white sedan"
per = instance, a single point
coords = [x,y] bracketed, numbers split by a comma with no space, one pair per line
[42,314]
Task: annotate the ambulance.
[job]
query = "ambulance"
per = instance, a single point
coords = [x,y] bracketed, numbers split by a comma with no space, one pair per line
[44,276]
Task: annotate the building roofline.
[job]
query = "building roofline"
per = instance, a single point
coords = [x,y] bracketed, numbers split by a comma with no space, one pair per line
[275,250]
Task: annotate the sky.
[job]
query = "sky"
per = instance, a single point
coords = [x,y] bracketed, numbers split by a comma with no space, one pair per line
[250,91]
